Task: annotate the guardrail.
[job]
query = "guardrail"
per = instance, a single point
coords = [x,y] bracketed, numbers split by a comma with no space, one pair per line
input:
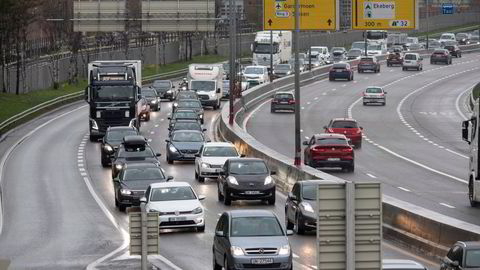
[419,228]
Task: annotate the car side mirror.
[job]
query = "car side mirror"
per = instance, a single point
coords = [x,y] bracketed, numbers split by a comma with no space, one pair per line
[158,154]
[219,233]
[167,141]
[289,232]
[305,142]
[292,197]
[169,178]
[465,125]
[201,197]
[197,155]
[218,90]
[273,173]
[143,200]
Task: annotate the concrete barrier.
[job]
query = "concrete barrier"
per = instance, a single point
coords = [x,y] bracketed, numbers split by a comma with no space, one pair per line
[418,228]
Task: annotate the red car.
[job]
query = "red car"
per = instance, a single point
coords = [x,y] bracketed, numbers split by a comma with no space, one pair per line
[329,150]
[348,127]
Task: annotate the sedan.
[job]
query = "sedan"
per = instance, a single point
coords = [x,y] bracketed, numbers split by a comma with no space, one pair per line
[165,89]
[152,97]
[442,56]
[454,50]
[374,94]
[354,54]
[342,71]
[184,115]
[184,145]
[112,140]
[347,126]
[177,205]
[183,124]
[212,157]
[246,179]
[189,104]
[368,63]
[301,206]
[329,150]
[282,70]
[282,101]
[132,181]
[251,239]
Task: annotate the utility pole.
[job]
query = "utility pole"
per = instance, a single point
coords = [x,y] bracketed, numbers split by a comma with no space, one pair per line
[365,39]
[427,21]
[298,146]
[233,46]
[271,55]
[309,48]
[144,237]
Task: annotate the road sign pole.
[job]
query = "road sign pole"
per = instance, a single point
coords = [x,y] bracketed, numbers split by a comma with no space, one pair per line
[271,55]
[298,150]
[350,222]
[427,22]
[144,236]
[365,39]
[232,60]
[309,48]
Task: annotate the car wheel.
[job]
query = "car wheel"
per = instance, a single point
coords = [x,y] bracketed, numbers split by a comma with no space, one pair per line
[220,196]
[330,78]
[364,104]
[216,266]
[227,200]
[121,207]
[169,161]
[93,138]
[288,224]
[272,110]
[403,68]
[352,167]
[299,227]
[199,178]
[201,228]
[105,163]
[271,200]
[473,203]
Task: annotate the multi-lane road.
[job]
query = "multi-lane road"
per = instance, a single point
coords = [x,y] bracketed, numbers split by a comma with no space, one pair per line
[58,201]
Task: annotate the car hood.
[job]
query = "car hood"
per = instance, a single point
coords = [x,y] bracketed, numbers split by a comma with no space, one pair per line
[259,242]
[198,110]
[252,75]
[137,159]
[140,184]
[114,144]
[249,178]
[162,89]
[187,145]
[216,160]
[172,206]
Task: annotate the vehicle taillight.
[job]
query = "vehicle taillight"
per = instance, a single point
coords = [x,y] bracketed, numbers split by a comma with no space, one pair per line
[291,101]
[346,149]
[317,149]
[330,130]
[359,131]
[382,94]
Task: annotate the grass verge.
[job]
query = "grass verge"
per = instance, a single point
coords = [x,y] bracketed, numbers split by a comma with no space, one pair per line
[149,70]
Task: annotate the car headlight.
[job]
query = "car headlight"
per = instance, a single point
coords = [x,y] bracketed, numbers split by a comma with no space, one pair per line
[94,124]
[108,148]
[172,148]
[197,210]
[307,207]
[175,104]
[201,116]
[154,101]
[232,180]
[125,191]
[205,165]
[317,64]
[169,91]
[236,251]
[118,166]
[285,250]
[184,88]
[268,180]
[212,94]
[288,73]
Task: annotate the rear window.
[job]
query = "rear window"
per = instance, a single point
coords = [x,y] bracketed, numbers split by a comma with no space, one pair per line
[439,52]
[374,90]
[410,57]
[344,124]
[340,66]
[366,59]
[283,96]
[328,141]
[449,47]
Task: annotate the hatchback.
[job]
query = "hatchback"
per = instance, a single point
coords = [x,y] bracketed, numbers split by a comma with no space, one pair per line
[347,126]
[342,71]
[282,101]
[412,61]
[442,56]
[374,94]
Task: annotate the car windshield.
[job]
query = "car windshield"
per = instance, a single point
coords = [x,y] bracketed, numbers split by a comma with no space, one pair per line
[220,151]
[329,141]
[255,226]
[472,258]
[187,126]
[149,92]
[187,137]
[314,56]
[283,96]
[374,47]
[248,167]
[161,84]
[202,85]
[337,53]
[374,90]
[474,38]
[283,67]
[172,194]
[143,174]
[117,135]
[183,95]
[118,92]
[188,115]
[253,70]
[309,192]
[189,104]
[339,66]
[338,49]
[344,124]
[135,152]
[354,53]
[410,57]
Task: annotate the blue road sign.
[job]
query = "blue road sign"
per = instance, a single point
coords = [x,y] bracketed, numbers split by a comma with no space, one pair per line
[447,8]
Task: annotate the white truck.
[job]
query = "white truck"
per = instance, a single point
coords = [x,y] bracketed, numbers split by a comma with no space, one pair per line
[396,39]
[207,81]
[282,48]
[470,134]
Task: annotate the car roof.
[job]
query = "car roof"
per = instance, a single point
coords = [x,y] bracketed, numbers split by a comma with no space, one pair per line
[344,119]
[187,130]
[250,213]
[255,66]
[121,128]
[218,144]
[469,244]
[246,159]
[141,165]
[330,135]
[186,120]
[377,87]
[134,140]
[403,264]
[170,184]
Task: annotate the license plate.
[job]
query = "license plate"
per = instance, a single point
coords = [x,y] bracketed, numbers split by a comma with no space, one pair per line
[189,155]
[408,62]
[252,192]
[283,102]
[334,159]
[339,70]
[262,261]
[177,219]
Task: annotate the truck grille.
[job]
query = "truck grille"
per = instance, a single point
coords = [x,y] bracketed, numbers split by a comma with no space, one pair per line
[261,251]
[203,97]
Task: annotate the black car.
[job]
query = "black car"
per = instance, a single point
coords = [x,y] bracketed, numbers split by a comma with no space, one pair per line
[246,179]
[133,149]
[182,124]
[454,50]
[165,89]
[184,145]
[112,139]
[282,70]
[152,97]
[187,94]
[189,104]
[301,206]
[462,255]
[282,101]
[184,115]
[132,181]
[340,70]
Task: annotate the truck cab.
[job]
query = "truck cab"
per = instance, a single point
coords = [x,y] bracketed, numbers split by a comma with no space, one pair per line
[207,81]
[281,42]
[470,130]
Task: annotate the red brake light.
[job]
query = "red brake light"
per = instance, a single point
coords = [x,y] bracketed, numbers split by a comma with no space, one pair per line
[291,101]
[359,131]
[330,130]
[318,149]
[346,149]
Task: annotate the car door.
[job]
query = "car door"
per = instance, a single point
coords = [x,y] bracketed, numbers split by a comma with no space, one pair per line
[293,204]
[218,246]
[223,177]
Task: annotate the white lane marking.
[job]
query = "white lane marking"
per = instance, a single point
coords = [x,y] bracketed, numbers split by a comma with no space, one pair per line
[80,164]
[301,130]
[404,189]
[157,125]
[152,132]
[149,140]
[162,119]
[83,174]
[315,97]
[334,89]
[308,103]
[344,85]
[457,102]
[324,94]
[295,255]
[447,205]
[303,108]
[253,112]
[371,175]
[81,169]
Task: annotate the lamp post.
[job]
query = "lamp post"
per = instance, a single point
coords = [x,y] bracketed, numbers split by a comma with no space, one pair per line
[427,22]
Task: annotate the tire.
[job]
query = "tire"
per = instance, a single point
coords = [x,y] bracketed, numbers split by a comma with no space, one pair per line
[384,103]
[272,110]
[200,229]
[460,55]
[351,168]
[169,161]
[219,194]
[364,104]
[300,228]
[121,207]
[288,224]
[199,178]
[93,138]
[473,203]
[105,163]
[227,200]
[271,200]
[216,266]
[403,68]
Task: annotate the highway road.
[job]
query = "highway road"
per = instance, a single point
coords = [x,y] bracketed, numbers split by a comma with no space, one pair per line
[412,145]
[58,201]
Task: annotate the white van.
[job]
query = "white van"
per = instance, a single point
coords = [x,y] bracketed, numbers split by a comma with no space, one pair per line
[323,51]
[412,61]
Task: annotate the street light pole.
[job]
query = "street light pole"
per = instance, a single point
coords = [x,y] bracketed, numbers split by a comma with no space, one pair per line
[233,47]
[427,22]
[271,55]
[298,149]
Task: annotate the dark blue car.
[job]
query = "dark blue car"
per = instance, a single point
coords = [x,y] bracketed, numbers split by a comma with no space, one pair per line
[341,71]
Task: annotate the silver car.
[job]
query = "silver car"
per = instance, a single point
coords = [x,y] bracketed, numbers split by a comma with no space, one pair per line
[246,239]
[374,94]
[412,61]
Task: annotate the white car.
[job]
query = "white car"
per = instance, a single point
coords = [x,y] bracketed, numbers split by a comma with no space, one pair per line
[211,158]
[323,51]
[446,37]
[177,204]
[412,61]
[256,75]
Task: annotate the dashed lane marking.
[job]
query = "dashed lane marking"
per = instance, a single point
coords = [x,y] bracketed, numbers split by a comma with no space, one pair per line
[447,205]
[371,175]
[404,189]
